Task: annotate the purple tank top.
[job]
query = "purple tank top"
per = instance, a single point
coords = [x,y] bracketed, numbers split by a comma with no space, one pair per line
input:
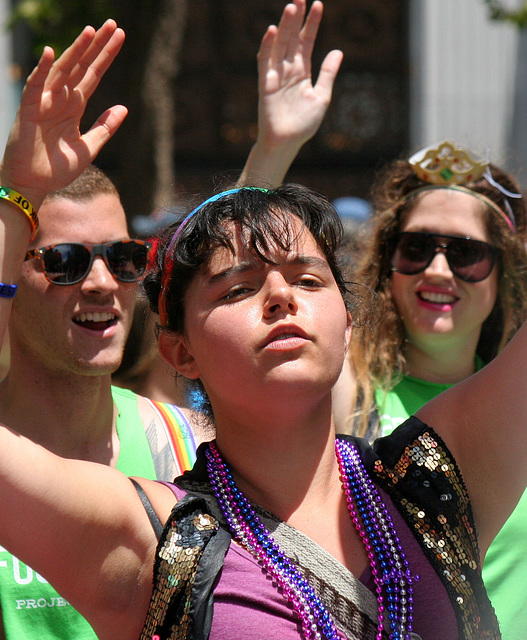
[248,607]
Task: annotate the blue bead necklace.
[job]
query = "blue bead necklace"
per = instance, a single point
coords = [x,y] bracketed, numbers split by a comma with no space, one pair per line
[392,577]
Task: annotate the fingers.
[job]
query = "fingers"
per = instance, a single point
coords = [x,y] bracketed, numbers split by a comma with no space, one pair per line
[289,30]
[60,73]
[264,55]
[328,72]
[36,80]
[293,37]
[83,64]
[91,50]
[276,43]
[97,61]
[103,129]
[309,31]
[280,44]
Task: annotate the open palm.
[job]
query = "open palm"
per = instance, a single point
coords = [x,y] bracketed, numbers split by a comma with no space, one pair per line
[46,149]
[290,105]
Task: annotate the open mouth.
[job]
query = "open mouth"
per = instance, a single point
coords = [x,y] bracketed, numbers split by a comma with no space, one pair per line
[436,298]
[284,336]
[95,321]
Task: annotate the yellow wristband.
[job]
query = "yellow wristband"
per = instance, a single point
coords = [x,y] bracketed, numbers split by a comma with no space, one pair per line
[24,205]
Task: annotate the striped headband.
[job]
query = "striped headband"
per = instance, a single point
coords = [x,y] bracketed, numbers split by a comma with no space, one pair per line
[168,265]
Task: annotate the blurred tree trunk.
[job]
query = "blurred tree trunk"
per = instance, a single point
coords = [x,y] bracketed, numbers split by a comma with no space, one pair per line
[141,156]
[140,159]
[161,69]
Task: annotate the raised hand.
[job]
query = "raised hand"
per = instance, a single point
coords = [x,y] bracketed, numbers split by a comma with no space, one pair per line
[46,149]
[290,107]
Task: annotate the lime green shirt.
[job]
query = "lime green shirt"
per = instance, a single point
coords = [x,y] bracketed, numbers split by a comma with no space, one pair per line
[505,574]
[31,608]
[401,402]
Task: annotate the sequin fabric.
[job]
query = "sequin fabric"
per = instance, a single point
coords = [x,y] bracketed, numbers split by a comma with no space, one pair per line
[179,552]
[426,484]
[414,466]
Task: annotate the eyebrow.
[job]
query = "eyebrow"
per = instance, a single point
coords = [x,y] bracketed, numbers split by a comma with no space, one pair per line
[255,264]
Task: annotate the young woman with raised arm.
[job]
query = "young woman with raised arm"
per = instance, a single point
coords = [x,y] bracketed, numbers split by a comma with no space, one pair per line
[334,538]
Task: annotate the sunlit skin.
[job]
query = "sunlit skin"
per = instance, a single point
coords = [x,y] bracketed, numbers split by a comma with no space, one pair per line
[252,326]
[58,338]
[442,314]
[268,342]
[281,443]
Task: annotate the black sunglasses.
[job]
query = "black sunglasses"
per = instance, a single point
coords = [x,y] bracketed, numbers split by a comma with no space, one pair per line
[469,260]
[70,262]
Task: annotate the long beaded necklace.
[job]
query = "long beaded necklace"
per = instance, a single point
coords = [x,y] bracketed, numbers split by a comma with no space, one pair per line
[392,577]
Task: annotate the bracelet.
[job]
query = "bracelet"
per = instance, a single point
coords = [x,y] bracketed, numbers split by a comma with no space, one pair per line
[24,205]
[7,290]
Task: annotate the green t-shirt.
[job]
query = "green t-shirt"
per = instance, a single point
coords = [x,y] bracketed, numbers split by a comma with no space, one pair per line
[401,402]
[505,567]
[505,574]
[31,609]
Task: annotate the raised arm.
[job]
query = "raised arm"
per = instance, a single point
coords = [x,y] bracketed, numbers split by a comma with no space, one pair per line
[290,107]
[45,149]
[483,420]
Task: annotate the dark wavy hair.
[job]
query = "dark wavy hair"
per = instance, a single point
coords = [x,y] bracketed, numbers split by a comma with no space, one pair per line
[377,351]
[264,217]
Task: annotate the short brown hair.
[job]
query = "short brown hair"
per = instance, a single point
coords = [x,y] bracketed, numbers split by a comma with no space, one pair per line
[91,182]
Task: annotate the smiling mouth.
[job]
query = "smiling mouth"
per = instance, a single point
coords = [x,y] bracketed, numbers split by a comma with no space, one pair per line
[95,321]
[436,298]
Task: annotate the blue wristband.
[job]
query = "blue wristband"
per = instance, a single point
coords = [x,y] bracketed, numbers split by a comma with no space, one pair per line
[7,290]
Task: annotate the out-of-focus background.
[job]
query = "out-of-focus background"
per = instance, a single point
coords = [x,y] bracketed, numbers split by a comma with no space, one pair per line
[414,72]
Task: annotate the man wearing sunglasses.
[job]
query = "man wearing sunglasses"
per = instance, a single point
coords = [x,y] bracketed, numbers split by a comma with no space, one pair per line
[68,326]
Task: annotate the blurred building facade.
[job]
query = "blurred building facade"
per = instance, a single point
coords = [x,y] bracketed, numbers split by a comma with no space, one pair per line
[414,72]
[7,96]
[463,77]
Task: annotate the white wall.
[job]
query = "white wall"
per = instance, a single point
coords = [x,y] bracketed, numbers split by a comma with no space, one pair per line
[9,93]
[463,68]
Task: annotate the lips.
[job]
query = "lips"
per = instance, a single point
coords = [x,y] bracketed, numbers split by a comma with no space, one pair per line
[95,320]
[287,334]
[437,298]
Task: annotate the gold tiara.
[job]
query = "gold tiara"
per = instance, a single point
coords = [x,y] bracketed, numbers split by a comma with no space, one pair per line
[446,164]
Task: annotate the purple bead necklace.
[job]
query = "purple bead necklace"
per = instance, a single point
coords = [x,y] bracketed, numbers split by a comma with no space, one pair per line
[389,566]
[391,574]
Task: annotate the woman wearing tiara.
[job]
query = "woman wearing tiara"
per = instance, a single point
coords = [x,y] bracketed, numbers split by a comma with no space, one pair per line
[446,256]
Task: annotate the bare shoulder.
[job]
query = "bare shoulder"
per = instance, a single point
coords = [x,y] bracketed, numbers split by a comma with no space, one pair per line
[161,497]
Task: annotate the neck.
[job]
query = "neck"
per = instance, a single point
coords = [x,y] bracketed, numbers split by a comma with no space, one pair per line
[283,460]
[71,415]
[444,362]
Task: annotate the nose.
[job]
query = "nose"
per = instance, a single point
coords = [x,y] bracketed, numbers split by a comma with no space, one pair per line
[99,278]
[280,296]
[439,266]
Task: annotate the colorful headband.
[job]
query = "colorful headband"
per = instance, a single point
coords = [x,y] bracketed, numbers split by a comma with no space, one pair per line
[169,259]
[445,166]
